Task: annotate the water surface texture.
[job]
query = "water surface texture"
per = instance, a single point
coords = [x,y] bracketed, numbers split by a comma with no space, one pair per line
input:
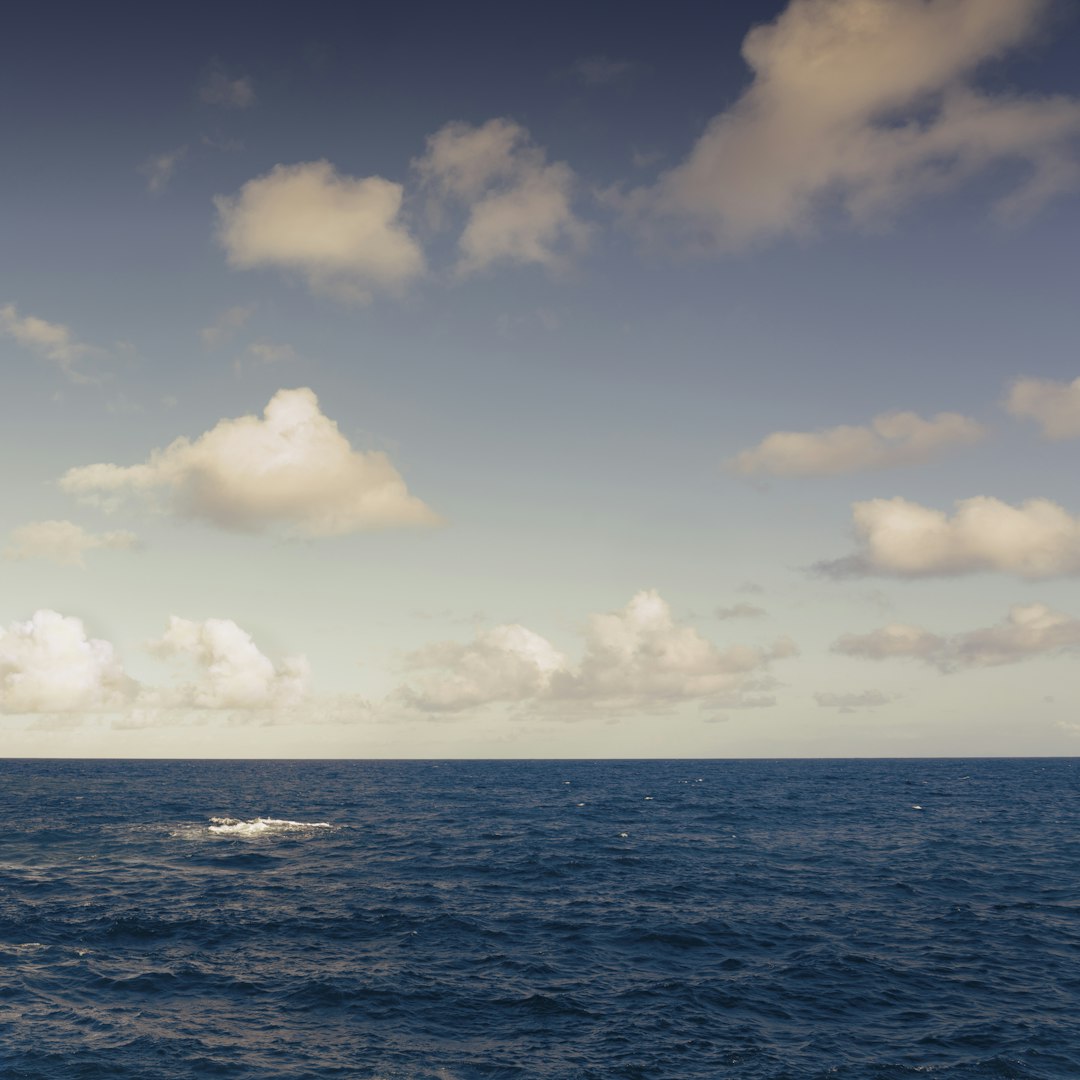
[423,921]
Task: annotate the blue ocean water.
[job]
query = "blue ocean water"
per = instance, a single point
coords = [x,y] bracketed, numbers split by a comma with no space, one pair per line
[444,921]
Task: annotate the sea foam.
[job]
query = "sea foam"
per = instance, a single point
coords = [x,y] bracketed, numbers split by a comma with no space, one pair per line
[262,826]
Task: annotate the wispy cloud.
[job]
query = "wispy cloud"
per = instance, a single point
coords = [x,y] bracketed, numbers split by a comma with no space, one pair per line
[62,542]
[852,701]
[866,105]
[219,87]
[888,441]
[226,326]
[159,168]
[54,341]
[1029,630]
[601,70]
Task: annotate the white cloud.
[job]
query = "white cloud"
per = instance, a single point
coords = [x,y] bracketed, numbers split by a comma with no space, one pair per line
[639,658]
[344,234]
[1037,539]
[232,672]
[48,664]
[62,542]
[293,467]
[892,439]
[506,663]
[1028,630]
[159,168]
[740,611]
[54,341]
[849,702]
[226,325]
[519,205]
[867,105]
[219,88]
[1054,406]
[640,654]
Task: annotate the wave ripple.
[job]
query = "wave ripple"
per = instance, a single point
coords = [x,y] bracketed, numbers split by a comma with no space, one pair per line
[541,921]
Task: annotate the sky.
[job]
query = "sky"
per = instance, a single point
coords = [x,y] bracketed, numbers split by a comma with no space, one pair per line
[540,381]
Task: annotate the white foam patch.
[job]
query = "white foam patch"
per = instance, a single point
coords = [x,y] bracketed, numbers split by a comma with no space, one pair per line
[262,826]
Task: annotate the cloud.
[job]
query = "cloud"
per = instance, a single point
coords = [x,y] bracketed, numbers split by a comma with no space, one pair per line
[232,672]
[896,639]
[849,702]
[62,542]
[506,663]
[891,439]
[345,235]
[638,658]
[159,168]
[264,354]
[898,538]
[226,325]
[865,106]
[1028,630]
[1054,406]
[641,654]
[48,664]
[740,611]
[519,205]
[218,88]
[603,70]
[293,468]
[53,341]
[267,352]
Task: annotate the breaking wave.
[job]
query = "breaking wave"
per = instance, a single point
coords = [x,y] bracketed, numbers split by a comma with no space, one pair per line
[262,826]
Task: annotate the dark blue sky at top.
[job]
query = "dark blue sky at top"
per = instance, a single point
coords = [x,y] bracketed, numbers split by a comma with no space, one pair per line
[92,91]
[78,78]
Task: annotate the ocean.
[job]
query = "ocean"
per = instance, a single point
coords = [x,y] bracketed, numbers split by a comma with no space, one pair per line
[654,920]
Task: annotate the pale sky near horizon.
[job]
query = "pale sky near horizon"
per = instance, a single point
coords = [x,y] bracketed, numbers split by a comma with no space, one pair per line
[553,382]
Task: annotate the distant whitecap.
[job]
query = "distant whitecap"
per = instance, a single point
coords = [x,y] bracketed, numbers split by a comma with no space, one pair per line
[261,826]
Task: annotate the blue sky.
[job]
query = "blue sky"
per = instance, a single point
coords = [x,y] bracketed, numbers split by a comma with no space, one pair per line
[634,389]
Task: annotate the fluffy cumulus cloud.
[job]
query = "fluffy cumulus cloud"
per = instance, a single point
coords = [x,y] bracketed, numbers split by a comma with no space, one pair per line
[867,105]
[54,341]
[49,665]
[292,467]
[231,671]
[1037,539]
[1054,406]
[62,542]
[638,658]
[518,203]
[1028,630]
[506,663]
[344,234]
[899,438]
